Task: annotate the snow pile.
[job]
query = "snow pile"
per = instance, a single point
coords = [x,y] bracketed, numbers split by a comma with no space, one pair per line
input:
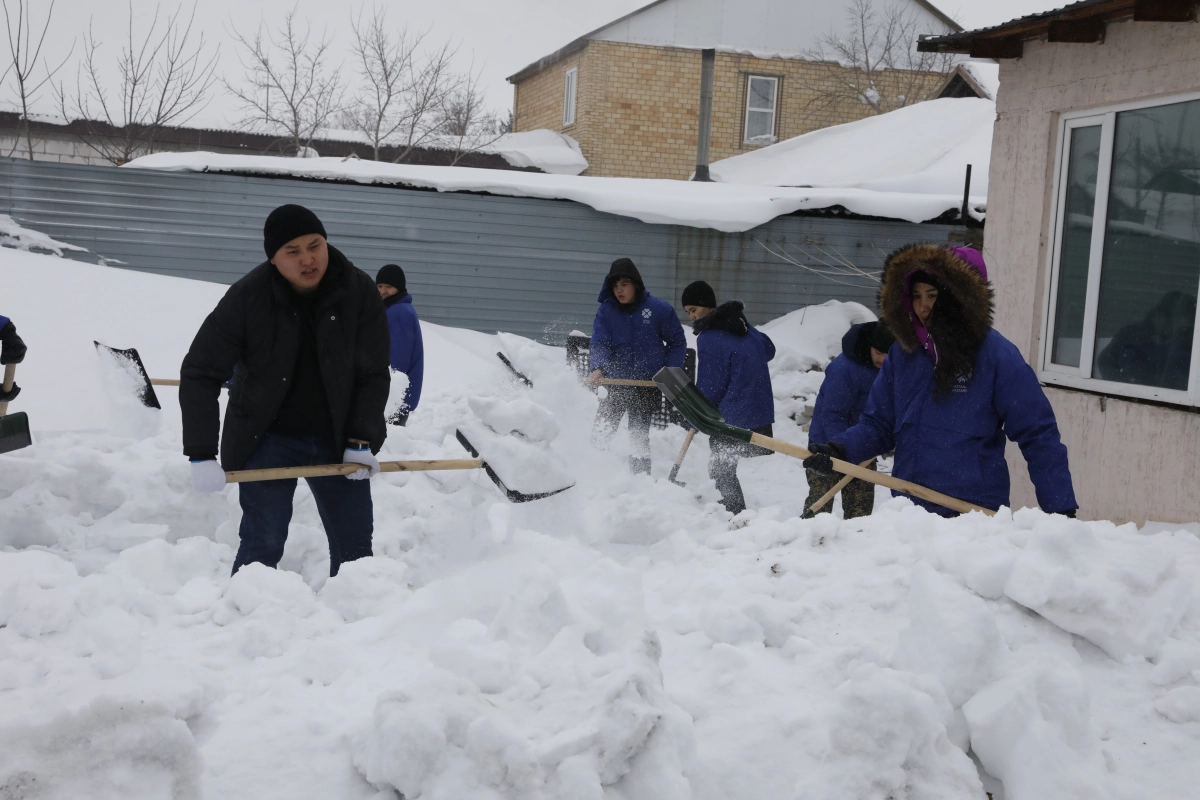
[921,150]
[544,704]
[549,151]
[618,640]
[13,235]
[514,440]
[721,206]
[1113,590]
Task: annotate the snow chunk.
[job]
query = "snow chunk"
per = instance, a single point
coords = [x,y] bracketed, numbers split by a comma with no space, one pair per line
[1032,731]
[366,587]
[887,738]
[525,466]
[1180,705]
[521,416]
[36,594]
[1116,590]
[109,750]
[468,651]
[547,150]
[1176,661]
[951,635]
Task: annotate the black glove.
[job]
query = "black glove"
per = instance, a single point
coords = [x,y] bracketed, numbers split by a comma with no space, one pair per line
[1070,512]
[821,460]
[14,349]
[10,395]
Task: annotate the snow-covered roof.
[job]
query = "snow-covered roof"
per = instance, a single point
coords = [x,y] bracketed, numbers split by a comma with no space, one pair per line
[547,150]
[985,74]
[720,206]
[921,151]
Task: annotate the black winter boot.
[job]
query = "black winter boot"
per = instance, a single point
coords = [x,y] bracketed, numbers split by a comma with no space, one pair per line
[639,465]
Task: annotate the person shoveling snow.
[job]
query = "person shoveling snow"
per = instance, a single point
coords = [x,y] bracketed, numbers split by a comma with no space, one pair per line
[304,337]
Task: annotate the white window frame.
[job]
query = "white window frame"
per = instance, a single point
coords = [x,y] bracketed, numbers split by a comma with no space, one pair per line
[570,96]
[1078,377]
[774,110]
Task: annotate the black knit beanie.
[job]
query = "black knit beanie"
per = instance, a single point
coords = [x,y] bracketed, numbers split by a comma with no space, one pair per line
[699,293]
[881,338]
[286,223]
[392,275]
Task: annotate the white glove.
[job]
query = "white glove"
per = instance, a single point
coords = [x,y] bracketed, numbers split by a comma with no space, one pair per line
[207,476]
[364,457]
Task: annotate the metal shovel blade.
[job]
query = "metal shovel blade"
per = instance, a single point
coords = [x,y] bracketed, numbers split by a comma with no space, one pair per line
[518,375]
[512,494]
[146,392]
[694,406]
[14,432]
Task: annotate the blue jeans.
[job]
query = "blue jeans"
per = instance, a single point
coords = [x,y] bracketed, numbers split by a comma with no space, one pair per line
[344,505]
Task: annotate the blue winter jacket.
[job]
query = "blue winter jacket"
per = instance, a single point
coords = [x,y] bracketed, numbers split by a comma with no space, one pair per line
[732,372]
[955,444]
[634,346]
[843,394]
[407,352]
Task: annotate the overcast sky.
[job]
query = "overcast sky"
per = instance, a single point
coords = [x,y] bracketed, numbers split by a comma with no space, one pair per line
[501,36]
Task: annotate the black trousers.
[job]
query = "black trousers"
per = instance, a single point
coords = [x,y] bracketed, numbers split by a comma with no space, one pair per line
[724,453]
[640,403]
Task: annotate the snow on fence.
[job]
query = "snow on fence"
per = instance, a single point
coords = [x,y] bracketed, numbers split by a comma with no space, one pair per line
[520,264]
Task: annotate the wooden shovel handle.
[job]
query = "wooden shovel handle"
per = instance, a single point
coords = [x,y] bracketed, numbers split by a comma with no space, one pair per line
[164,381]
[620,382]
[837,487]
[687,442]
[326,470]
[871,476]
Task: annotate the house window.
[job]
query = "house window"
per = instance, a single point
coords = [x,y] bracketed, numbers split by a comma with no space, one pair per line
[1125,271]
[570,84]
[762,97]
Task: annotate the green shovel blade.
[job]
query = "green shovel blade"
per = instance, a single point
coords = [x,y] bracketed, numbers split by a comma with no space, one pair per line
[14,432]
[677,387]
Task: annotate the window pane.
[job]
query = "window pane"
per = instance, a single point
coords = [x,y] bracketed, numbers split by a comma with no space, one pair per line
[759,124]
[1147,308]
[1080,202]
[762,94]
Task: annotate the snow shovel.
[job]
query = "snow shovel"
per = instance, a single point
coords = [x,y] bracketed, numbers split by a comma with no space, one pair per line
[512,494]
[146,391]
[328,470]
[837,487]
[14,428]
[514,371]
[702,414]
[679,459]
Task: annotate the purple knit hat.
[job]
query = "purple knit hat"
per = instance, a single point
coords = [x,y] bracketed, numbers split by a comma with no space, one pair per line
[972,257]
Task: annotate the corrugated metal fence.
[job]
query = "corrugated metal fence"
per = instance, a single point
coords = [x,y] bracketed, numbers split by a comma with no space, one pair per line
[532,267]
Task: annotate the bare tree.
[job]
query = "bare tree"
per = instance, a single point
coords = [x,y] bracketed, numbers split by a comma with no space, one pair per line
[289,88]
[404,87]
[874,61]
[465,120]
[164,81]
[24,54]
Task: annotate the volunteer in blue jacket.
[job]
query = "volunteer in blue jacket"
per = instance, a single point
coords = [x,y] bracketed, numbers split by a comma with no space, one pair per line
[732,373]
[634,336]
[843,396]
[12,351]
[951,389]
[407,350]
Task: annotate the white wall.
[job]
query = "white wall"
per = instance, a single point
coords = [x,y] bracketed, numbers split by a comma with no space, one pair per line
[1130,461]
[783,27]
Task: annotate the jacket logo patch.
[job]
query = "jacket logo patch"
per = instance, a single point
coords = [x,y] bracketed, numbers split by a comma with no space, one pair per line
[646,314]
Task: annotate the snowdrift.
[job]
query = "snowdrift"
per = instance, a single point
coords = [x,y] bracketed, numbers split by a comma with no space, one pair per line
[620,640]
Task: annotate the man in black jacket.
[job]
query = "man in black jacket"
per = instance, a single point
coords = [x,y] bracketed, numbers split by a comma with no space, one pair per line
[305,338]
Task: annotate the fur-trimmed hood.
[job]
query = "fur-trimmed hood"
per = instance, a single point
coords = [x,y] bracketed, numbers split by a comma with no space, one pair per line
[729,316]
[964,282]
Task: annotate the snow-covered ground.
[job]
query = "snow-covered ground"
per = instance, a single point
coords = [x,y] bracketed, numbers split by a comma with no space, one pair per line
[619,640]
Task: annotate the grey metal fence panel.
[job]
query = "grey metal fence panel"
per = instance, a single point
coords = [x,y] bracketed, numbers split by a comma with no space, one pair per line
[528,266]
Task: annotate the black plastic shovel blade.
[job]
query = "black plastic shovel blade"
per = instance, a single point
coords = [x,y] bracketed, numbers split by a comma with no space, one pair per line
[675,474]
[14,432]
[146,393]
[694,406]
[514,371]
[512,494]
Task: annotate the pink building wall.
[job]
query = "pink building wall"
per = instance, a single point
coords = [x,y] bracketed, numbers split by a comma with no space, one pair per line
[1130,461]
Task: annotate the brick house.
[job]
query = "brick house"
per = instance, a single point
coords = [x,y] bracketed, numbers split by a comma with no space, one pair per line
[630,92]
